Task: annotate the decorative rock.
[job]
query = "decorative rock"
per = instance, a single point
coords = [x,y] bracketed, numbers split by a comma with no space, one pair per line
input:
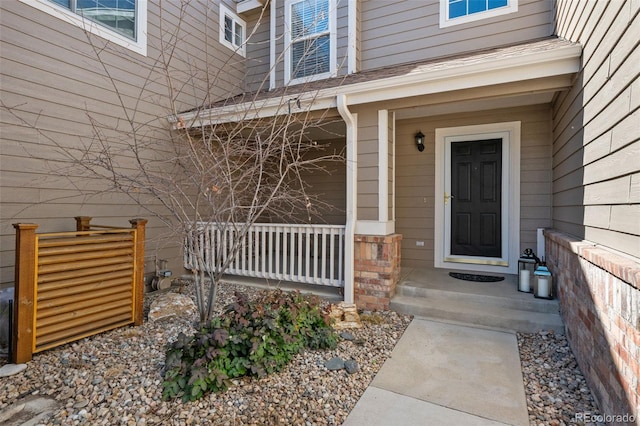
[347,336]
[81,404]
[130,361]
[351,366]
[345,316]
[334,364]
[552,379]
[12,369]
[172,305]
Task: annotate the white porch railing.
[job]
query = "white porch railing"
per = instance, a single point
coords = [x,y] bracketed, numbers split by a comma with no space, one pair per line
[311,254]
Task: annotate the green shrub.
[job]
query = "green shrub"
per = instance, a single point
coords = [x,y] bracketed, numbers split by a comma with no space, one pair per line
[255,338]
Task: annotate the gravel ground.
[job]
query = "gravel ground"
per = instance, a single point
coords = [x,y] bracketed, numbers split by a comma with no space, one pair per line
[115,378]
[557,393]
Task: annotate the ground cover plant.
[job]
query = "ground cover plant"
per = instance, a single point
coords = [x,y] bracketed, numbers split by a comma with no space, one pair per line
[252,337]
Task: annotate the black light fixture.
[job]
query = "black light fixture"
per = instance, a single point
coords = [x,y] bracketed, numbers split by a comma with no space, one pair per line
[420,141]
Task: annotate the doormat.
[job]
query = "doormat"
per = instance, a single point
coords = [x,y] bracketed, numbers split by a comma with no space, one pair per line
[475,277]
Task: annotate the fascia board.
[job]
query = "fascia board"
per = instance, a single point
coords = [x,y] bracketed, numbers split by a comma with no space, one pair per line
[254,110]
[424,81]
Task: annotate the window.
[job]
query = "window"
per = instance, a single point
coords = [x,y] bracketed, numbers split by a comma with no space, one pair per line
[454,12]
[232,30]
[123,22]
[310,39]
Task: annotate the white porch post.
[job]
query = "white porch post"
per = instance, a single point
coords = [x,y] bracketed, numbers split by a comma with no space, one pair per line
[351,121]
[383,168]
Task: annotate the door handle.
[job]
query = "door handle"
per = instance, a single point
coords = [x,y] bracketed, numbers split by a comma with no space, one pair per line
[447,197]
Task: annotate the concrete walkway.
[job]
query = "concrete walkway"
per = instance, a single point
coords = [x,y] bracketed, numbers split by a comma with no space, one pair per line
[446,374]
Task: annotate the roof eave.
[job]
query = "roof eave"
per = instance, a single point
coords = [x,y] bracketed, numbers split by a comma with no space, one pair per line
[421,81]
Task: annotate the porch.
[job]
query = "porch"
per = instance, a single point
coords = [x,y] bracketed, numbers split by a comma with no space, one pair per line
[311,258]
[433,293]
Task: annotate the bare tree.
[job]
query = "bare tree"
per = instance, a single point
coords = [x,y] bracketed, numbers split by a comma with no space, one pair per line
[225,175]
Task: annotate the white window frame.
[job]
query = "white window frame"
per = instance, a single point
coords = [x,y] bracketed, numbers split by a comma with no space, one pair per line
[139,45]
[289,51]
[511,7]
[237,21]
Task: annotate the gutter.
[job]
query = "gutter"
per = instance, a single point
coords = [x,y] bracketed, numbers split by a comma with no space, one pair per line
[351,121]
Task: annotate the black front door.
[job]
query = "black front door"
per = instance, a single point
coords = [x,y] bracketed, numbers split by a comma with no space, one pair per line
[476,176]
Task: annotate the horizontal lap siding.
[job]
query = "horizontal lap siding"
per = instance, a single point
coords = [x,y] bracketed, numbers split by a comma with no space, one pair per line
[329,184]
[52,80]
[596,175]
[258,49]
[406,31]
[368,174]
[415,176]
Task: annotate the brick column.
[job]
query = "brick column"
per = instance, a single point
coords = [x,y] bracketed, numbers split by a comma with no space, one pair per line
[376,270]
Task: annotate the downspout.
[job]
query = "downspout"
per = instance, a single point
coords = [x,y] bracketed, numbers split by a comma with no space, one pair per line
[272,46]
[351,121]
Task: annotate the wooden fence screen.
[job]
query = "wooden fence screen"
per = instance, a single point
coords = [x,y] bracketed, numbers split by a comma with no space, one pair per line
[71,285]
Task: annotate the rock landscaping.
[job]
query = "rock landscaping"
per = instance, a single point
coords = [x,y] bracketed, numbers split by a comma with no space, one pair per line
[557,393]
[116,377]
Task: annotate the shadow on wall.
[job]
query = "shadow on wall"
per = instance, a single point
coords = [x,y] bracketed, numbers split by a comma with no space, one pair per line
[599,294]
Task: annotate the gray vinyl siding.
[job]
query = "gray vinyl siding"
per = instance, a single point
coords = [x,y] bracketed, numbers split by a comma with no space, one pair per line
[258,45]
[342,39]
[368,175]
[415,176]
[596,172]
[395,32]
[51,80]
[329,184]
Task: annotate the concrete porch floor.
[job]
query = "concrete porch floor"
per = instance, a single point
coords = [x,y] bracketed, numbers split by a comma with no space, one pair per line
[432,293]
[439,279]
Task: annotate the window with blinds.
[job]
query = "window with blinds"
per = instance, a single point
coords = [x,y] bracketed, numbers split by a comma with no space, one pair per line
[310,38]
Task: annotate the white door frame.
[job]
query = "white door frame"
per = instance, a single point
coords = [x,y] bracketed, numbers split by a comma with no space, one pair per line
[509,132]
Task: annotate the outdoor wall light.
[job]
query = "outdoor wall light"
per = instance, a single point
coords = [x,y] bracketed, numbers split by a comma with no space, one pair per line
[420,141]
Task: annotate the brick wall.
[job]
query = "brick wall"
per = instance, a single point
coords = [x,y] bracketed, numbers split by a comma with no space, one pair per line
[599,297]
[376,270]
